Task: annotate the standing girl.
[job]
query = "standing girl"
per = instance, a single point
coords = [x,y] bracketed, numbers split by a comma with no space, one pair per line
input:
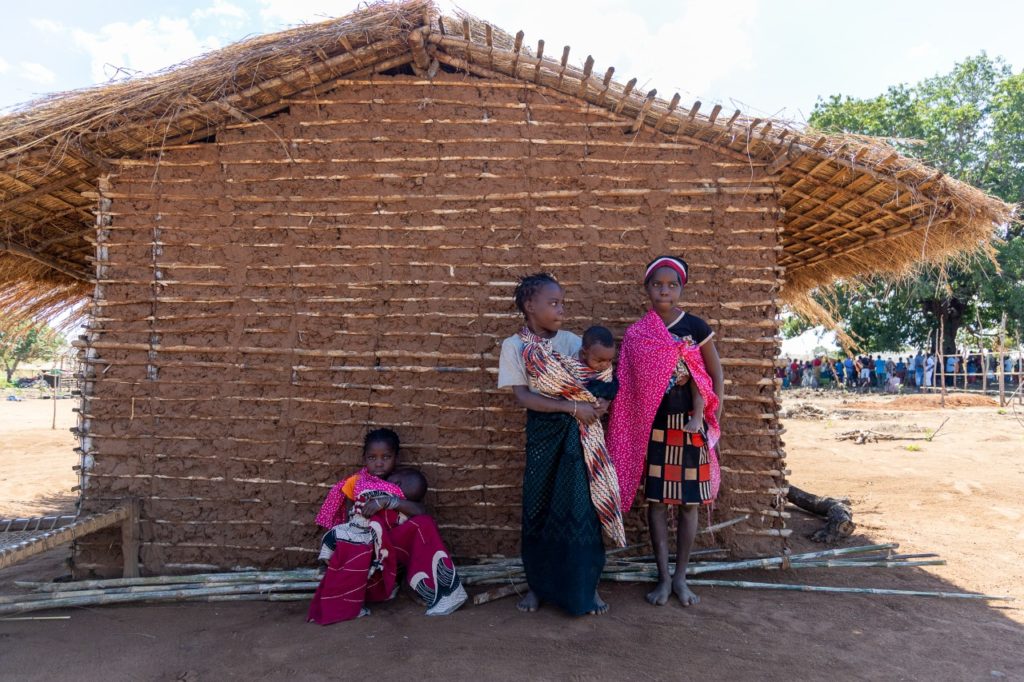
[570,490]
[661,353]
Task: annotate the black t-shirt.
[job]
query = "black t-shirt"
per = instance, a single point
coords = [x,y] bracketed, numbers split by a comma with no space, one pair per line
[688,327]
[692,328]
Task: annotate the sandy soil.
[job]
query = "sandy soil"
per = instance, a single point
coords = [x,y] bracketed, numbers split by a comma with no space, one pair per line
[958,495]
[35,460]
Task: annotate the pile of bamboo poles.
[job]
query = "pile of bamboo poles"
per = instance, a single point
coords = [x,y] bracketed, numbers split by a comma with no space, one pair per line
[509,574]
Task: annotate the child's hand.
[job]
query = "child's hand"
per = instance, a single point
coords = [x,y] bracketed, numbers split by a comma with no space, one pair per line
[602,407]
[586,413]
[370,508]
[693,425]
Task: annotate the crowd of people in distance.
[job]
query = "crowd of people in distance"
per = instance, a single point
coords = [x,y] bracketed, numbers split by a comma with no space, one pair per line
[894,374]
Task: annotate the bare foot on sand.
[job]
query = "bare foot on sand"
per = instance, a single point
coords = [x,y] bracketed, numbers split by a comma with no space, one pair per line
[683,592]
[600,605]
[660,594]
[529,603]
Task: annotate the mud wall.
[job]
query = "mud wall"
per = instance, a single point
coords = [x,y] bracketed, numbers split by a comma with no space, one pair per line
[267,296]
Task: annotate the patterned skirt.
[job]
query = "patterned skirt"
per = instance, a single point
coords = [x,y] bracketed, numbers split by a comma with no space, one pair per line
[357,573]
[562,547]
[678,464]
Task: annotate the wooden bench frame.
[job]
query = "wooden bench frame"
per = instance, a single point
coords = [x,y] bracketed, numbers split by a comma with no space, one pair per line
[127,515]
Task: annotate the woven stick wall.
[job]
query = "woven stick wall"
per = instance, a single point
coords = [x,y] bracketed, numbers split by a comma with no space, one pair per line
[266,296]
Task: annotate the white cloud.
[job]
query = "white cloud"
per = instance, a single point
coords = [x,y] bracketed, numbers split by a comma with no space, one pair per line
[921,51]
[5,66]
[276,14]
[686,47]
[144,46]
[709,42]
[47,25]
[222,10]
[36,73]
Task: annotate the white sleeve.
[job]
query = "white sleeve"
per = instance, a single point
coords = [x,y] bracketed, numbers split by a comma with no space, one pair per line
[511,368]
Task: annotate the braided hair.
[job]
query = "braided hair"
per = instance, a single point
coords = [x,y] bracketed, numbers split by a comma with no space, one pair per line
[528,287]
[386,436]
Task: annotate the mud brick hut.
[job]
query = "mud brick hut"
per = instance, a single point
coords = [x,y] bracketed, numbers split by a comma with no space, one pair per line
[283,242]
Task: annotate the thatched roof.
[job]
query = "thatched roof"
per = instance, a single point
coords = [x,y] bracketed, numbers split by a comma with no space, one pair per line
[853,205]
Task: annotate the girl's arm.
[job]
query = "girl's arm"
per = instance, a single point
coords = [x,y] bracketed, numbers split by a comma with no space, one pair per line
[697,398]
[541,403]
[410,508]
[694,423]
[407,507]
[713,364]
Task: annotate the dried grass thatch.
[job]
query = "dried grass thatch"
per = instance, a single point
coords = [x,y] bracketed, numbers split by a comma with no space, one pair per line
[852,204]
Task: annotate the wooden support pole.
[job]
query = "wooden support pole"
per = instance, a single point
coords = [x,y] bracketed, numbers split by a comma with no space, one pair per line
[419,52]
[985,360]
[717,109]
[1002,362]
[643,111]
[671,108]
[605,84]
[59,266]
[625,95]
[588,68]
[942,359]
[564,65]
[130,540]
[517,48]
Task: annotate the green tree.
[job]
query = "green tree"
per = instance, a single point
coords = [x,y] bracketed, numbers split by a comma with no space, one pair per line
[968,123]
[27,342]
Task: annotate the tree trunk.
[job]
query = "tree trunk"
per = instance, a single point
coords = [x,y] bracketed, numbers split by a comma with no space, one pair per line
[950,311]
[838,517]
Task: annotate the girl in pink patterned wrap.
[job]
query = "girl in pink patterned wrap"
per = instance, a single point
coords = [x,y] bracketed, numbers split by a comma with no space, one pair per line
[658,433]
[387,530]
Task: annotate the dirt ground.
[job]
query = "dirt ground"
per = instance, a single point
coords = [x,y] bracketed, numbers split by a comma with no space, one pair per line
[958,494]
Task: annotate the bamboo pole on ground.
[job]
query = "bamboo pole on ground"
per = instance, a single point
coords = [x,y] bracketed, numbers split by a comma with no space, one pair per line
[205,578]
[499,593]
[183,594]
[847,590]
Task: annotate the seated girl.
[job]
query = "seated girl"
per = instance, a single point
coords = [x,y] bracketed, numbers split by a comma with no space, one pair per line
[388,529]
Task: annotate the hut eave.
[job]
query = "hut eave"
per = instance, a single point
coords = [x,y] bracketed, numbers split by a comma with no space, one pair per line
[851,204]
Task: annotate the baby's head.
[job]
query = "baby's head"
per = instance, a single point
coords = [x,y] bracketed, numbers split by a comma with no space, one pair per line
[380,452]
[412,482]
[598,348]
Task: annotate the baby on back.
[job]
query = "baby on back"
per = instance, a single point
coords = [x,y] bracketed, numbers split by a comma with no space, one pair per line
[597,355]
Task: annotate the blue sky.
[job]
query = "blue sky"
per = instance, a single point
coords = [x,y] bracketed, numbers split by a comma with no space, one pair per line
[763,57]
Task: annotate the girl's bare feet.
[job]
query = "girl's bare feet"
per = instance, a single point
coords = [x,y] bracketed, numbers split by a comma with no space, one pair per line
[529,603]
[660,594]
[684,593]
[600,605]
